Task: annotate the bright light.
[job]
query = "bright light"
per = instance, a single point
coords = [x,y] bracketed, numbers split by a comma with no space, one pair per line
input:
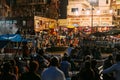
[87,12]
[98,12]
[111,11]
[76,13]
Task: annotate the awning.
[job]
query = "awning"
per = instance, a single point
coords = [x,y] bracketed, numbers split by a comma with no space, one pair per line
[12,37]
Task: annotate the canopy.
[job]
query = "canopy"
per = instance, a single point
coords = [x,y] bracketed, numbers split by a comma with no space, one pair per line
[114,32]
[12,37]
[99,34]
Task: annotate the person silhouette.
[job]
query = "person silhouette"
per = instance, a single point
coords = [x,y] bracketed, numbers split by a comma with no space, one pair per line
[53,72]
[114,68]
[32,73]
[5,74]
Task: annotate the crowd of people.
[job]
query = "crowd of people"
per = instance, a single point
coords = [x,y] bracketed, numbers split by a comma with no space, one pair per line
[75,37]
[78,62]
[39,65]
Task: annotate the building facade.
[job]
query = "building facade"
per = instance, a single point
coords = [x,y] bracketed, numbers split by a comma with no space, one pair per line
[4,9]
[97,14]
[116,9]
[24,11]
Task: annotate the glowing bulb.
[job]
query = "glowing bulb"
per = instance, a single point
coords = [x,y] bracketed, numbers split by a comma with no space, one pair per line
[87,12]
[98,12]
[111,11]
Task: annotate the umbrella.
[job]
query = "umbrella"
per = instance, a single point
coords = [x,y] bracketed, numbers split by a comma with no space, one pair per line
[76,25]
[52,26]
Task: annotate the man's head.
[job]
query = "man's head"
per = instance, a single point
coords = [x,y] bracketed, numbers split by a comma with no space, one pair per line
[33,66]
[54,61]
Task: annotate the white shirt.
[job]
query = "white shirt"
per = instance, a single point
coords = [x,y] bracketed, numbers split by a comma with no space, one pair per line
[53,73]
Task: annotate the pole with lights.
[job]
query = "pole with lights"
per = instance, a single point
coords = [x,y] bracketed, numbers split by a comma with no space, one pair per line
[91,18]
[92,2]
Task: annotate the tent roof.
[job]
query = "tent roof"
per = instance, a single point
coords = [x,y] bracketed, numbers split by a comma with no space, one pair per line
[12,37]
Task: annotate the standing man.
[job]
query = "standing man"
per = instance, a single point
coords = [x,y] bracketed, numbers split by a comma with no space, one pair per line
[53,72]
[25,50]
[114,68]
[69,49]
[35,43]
[65,66]
[32,73]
